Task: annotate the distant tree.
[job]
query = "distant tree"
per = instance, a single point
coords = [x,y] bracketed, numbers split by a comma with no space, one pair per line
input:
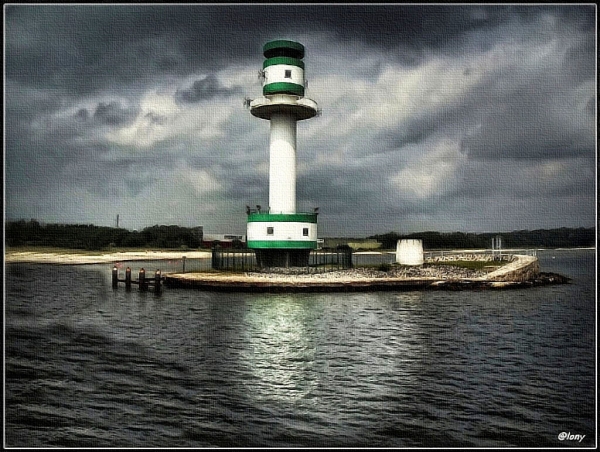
[88,236]
[548,238]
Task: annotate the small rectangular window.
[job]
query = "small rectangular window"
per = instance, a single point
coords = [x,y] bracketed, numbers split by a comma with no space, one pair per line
[288,73]
[270,230]
[305,232]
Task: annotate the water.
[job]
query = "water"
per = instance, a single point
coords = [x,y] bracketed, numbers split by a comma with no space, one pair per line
[89,366]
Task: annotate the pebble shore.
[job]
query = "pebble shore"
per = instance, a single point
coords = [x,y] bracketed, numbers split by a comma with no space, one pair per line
[442,272]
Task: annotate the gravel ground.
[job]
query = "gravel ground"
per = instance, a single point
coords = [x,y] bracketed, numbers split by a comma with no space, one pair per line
[438,272]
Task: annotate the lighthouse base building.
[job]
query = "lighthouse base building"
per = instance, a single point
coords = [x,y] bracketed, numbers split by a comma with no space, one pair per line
[282,240]
[282,237]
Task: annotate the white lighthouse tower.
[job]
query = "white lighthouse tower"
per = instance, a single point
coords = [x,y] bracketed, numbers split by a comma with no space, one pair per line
[280,236]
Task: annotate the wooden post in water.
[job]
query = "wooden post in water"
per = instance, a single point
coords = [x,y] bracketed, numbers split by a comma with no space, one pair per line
[157,281]
[183,259]
[115,277]
[128,278]
[142,279]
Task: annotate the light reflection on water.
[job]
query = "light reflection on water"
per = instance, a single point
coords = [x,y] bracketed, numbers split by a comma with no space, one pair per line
[299,345]
[280,352]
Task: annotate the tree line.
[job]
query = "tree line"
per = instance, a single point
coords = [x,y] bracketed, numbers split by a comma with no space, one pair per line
[90,237]
[539,238]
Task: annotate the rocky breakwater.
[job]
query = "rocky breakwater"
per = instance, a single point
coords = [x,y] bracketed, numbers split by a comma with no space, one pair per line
[356,279]
[523,271]
[520,269]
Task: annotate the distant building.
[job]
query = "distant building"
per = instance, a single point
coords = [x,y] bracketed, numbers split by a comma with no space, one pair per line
[355,244]
[223,240]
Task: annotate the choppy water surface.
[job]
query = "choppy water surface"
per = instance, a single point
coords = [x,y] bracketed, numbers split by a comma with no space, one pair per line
[89,366]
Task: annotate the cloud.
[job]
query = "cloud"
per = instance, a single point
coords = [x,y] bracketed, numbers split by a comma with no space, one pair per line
[111,114]
[436,117]
[162,119]
[203,89]
[435,173]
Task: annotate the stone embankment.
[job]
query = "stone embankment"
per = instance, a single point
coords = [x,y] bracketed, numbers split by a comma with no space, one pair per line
[521,271]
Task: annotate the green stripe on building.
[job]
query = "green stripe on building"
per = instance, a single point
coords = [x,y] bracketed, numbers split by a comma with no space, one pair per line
[282,217]
[283,60]
[282,87]
[282,244]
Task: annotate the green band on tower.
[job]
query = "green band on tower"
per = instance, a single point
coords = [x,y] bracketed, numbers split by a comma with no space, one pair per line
[282,244]
[282,217]
[283,88]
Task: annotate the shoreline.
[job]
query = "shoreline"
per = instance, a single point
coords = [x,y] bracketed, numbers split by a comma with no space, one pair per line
[76,257]
[66,258]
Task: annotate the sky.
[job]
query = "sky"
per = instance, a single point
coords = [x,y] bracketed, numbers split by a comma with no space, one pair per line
[470,118]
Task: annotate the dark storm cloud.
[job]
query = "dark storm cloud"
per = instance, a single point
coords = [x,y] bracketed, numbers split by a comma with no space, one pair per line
[84,48]
[82,114]
[113,114]
[204,89]
[524,111]
[533,121]
[419,128]
[579,61]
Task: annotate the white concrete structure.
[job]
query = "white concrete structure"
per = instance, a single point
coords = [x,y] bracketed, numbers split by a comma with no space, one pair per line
[282,236]
[409,252]
[282,164]
[284,231]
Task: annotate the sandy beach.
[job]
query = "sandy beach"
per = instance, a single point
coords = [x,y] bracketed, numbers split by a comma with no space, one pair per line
[75,258]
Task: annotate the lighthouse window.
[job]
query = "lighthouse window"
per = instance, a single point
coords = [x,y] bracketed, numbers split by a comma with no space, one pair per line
[288,73]
[305,232]
[270,230]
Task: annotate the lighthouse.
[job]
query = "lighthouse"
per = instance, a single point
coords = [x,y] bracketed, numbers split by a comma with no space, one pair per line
[281,236]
